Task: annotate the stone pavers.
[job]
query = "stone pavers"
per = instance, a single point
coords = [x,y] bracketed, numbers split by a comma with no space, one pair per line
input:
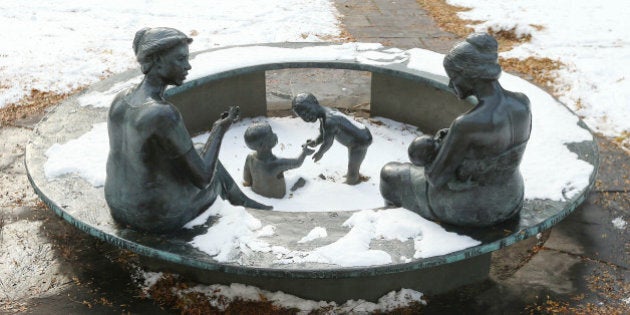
[398,23]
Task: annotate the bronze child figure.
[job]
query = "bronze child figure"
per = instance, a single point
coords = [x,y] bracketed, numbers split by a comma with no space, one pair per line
[156,181]
[334,125]
[263,171]
[423,150]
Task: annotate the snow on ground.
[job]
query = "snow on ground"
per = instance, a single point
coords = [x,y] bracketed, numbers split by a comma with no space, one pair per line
[61,45]
[237,232]
[590,37]
[619,223]
[315,233]
[223,295]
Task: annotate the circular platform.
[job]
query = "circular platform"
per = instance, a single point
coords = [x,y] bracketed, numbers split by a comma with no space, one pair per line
[407,86]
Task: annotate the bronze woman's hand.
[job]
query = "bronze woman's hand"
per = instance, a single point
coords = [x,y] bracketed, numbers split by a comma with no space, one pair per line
[228,117]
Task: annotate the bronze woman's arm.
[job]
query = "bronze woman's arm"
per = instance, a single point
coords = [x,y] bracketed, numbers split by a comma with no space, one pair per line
[450,155]
[200,169]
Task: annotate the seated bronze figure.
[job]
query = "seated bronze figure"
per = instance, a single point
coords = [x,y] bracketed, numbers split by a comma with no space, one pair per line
[473,179]
[156,180]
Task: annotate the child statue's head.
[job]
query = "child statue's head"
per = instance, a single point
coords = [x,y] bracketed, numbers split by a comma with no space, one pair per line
[422,151]
[306,106]
[260,136]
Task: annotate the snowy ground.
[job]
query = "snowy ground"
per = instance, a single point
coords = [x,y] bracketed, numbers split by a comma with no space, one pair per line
[61,45]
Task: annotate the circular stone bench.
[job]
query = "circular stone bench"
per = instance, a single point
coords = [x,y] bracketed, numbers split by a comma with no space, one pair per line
[407,86]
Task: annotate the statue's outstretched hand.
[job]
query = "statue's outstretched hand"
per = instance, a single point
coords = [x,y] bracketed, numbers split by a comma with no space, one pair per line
[306,150]
[229,116]
[311,143]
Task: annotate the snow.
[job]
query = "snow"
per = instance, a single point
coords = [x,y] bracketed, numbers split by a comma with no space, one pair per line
[236,231]
[589,37]
[315,233]
[619,223]
[353,249]
[62,45]
[220,296]
[85,156]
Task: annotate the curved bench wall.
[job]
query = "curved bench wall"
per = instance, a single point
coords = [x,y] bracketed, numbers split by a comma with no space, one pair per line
[414,97]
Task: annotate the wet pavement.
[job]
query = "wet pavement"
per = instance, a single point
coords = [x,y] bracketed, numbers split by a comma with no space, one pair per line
[582,264]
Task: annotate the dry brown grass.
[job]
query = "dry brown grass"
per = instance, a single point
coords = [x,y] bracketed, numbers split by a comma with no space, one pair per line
[540,69]
[165,293]
[343,37]
[623,140]
[445,15]
[36,103]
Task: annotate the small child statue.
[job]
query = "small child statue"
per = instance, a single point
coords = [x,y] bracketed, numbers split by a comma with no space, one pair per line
[423,150]
[263,171]
[334,125]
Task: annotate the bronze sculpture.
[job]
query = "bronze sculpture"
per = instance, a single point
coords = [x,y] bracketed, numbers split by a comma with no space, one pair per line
[334,125]
[474,178]
[263,171]
[156,181]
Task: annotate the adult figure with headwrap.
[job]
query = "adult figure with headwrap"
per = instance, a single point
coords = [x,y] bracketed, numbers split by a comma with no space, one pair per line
[156,180]
[472,176]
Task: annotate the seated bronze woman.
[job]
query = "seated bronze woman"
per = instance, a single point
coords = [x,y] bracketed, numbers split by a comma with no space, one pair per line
[156,180]
[474,178]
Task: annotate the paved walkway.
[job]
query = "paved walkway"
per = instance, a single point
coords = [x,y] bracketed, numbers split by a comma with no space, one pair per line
[582,260]
[401,23]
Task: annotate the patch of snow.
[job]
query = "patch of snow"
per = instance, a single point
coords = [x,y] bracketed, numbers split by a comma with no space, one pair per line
[619,223]
[85,156]
[353,249]
[235,233]
[390,141]
[315,233]
[220,296]
[104,99]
